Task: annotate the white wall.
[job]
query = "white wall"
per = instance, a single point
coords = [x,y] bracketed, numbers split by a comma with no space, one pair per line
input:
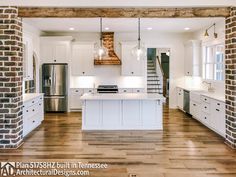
[34,34]
[196,82]
[112,74]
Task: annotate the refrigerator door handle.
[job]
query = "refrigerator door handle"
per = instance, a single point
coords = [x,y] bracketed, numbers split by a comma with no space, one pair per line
[54,97]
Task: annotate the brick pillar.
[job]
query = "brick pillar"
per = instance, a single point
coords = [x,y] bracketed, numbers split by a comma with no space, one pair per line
[11,128]
[230,78]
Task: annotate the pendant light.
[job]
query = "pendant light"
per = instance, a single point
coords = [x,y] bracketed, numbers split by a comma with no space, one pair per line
[101,52]
[139,52]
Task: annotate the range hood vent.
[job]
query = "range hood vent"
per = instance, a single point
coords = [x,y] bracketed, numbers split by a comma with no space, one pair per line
[108,42]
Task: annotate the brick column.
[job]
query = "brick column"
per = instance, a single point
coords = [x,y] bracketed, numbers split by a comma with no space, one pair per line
[230,78]
[11,128]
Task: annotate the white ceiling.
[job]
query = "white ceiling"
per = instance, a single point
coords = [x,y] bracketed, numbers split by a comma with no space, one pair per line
[119,3]
[176,25]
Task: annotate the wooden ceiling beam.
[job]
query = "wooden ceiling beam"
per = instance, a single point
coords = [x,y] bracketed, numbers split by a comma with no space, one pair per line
[48,12]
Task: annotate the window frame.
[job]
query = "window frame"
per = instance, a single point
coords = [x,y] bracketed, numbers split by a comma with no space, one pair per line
[213,63]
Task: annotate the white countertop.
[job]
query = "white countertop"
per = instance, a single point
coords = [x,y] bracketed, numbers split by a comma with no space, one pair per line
[123,96]
[30,96]
[212,95]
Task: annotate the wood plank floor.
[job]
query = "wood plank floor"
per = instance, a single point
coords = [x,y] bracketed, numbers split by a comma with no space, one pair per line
[184,149]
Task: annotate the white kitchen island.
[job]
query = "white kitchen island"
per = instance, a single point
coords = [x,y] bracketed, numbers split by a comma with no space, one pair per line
[126,111]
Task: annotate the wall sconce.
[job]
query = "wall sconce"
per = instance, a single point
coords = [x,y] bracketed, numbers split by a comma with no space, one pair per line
[215,34]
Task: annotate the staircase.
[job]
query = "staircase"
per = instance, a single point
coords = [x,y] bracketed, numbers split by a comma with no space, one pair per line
[153,81]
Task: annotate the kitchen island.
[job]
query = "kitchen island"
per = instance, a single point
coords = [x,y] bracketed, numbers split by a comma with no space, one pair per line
[126,111]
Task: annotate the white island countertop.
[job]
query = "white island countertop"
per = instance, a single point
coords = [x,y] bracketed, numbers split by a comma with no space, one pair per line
[30,96]
[123,96]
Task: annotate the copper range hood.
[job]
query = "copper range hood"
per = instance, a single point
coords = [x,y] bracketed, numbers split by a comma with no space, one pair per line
[108,42]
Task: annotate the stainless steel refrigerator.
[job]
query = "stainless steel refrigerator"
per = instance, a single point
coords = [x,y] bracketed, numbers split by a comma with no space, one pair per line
[54,83]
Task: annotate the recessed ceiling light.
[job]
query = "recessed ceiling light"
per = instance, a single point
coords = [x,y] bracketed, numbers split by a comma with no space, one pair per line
[106,28]
[71,28]
[149,28]
[187,28]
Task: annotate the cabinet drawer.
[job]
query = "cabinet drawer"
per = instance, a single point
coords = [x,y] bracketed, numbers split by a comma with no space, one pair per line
[125,90]
[205,99]
[218,105]
[138,90]
[206,118]
[194,109]
[32,101]
[205,107]
[88,90]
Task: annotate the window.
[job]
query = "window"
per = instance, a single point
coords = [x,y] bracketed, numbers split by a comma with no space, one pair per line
[213,62]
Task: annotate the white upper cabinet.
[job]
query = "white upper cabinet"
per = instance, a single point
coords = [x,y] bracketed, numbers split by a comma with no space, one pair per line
[192,58]
[82,59]
[130,65]
[27,58]
[55,49]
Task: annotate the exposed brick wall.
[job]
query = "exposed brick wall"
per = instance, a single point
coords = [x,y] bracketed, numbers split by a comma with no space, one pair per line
[11,75]
[230,78]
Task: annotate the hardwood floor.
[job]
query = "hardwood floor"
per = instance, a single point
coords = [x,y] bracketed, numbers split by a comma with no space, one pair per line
[184,149]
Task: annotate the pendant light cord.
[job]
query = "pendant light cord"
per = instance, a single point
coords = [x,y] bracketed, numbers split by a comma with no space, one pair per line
[139,39]
[100,32]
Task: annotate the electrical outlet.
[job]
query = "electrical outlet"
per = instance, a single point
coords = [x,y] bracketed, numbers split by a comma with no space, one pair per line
[133,175]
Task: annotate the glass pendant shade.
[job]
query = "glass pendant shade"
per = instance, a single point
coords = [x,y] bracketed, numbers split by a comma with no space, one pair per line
[100,52]
[139,52]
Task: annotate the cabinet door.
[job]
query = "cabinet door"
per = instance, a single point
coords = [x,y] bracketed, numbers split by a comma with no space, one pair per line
[192,53]
[218,116]
[82,59]
[60,52]
[194,109]
[188,57]
[46,52]
[75,102]
[180,98]
[28,58]
[130,65]
[125,90]
[138,90]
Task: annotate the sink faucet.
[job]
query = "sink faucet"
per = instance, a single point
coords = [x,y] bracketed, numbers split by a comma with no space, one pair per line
[210,88]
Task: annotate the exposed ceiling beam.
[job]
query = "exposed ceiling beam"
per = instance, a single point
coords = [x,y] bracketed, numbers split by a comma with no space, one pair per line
[42,12]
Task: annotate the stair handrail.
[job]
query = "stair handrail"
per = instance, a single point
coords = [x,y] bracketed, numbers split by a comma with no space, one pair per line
[159,64]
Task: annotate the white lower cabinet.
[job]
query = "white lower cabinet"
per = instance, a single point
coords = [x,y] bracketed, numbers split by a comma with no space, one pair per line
[75,103]
[209,111]
[195,109]
[180,98]
[131,90]
[33,114]
[218,116]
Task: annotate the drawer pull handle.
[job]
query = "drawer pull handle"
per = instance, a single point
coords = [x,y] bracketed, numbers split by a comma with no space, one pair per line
[32,101]
[194,104]
[217,110]
[33,121]
[205,99]
[205,107]
[33,110]
[205,118]
[218,104]
[77,91]
[124,90]
[40,104]
[27,110]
